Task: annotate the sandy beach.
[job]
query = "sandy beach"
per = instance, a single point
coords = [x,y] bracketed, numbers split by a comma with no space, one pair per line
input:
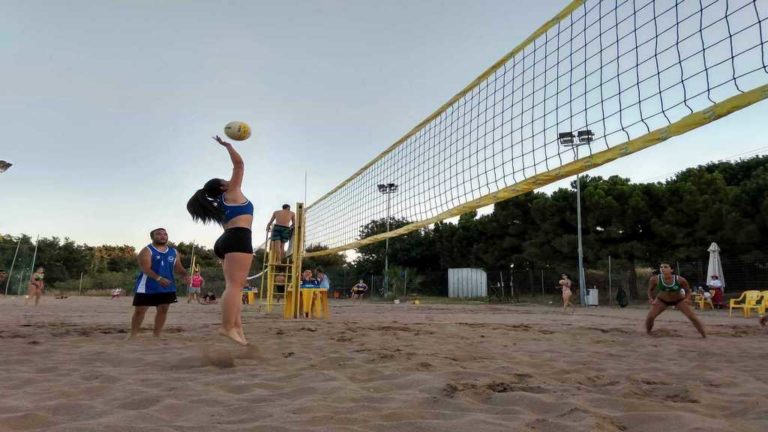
[379,367]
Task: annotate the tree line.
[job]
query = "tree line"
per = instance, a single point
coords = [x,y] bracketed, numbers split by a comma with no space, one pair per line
[637,224]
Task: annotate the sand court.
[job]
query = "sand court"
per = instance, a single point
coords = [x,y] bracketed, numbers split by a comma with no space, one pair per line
[379,367]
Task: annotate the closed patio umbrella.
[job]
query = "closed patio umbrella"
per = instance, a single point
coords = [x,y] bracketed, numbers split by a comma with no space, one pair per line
[715,266]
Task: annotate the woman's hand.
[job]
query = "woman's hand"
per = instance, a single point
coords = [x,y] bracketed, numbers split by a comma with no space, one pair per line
[221,141]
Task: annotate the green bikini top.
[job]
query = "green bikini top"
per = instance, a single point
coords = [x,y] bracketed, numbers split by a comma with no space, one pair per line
[675,287]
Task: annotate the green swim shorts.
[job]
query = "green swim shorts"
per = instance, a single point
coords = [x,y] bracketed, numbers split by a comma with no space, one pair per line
[281,233]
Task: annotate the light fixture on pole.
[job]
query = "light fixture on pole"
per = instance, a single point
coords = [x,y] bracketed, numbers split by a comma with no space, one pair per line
[4,166]
[387,189]
[568,139]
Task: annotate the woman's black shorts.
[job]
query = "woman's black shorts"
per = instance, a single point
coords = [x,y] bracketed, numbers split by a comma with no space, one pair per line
[236,239]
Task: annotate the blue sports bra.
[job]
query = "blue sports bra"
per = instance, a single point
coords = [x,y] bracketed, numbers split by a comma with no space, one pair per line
[232,211]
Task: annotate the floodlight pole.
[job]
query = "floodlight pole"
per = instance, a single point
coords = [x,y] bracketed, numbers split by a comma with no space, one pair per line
[582,278]
[386,249]
[568,139]
[387,189]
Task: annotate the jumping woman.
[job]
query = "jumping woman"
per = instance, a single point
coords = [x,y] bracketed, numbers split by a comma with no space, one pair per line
[223,202]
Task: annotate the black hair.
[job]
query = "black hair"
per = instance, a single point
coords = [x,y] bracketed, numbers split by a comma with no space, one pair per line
[286,206]
[152,233]
[319,270]
[566,275]
[204,204]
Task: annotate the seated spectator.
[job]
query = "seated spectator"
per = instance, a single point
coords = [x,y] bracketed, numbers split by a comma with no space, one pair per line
[246,290]
[359,290]
[716,289]
[209,298]
[307,281]
[116,293]
[322,279]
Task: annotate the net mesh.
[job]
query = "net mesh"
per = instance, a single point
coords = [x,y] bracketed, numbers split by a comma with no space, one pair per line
[621,69]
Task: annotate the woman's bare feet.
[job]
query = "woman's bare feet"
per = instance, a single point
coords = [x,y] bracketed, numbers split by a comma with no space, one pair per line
[234,334]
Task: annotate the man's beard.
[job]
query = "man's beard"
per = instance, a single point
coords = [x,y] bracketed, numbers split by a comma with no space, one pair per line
[160,242]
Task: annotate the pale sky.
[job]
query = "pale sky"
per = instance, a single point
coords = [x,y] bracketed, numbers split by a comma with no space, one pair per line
[107,107]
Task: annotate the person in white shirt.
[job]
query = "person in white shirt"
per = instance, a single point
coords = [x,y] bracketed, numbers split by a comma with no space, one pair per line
[716,289]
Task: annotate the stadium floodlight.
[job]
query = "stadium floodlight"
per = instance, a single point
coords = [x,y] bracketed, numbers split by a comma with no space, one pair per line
[387,188]
[585,136]
[566,138]
[4,166]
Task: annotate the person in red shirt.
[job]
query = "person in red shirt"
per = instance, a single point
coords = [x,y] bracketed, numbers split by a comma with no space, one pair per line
[195,285]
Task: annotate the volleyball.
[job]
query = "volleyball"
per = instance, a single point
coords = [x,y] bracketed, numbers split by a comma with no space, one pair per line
[237,130]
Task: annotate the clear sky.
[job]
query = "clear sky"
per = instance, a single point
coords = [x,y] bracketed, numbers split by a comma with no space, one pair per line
[107,107]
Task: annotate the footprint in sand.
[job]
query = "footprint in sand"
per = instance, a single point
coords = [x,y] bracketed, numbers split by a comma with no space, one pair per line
[664,333]
[249,352]
[424,366]
[221,358]
[139,404]
[506,387]
[27,421]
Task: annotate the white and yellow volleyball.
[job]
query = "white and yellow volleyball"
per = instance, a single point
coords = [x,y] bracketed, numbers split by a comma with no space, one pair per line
[237,130]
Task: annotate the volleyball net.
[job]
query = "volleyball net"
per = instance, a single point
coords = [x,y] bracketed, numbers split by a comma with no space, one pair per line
[599,81]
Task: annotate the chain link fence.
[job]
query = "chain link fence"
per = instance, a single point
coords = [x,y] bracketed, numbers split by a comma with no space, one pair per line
[540,285]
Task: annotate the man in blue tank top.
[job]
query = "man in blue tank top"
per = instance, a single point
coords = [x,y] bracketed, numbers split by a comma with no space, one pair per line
[155,285]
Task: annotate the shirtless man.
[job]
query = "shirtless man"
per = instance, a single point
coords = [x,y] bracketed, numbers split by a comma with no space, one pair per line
[284,221]
[666,290]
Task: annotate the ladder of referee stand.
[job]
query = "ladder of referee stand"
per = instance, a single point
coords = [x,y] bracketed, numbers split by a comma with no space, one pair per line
[277,273]
[276,277]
